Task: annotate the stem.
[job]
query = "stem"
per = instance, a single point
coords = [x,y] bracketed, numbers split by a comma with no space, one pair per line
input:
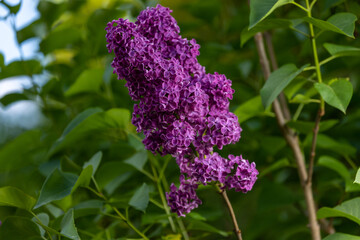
[161,193]
[299,6]
[125,219]
[231,211]
[274,64]
[316,58]
[313,146]
[294,144]
[298,111]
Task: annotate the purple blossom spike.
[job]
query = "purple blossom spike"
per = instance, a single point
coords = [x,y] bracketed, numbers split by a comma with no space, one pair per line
[182,110]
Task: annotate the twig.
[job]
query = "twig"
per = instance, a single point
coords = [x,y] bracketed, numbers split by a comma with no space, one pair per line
[231,211]
[274,64]
[313,146]
[293,142]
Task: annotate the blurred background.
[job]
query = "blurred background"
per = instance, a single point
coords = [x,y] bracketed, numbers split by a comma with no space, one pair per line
[54,65]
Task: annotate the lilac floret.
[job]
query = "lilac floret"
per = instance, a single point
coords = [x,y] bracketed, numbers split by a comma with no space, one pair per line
[183,199]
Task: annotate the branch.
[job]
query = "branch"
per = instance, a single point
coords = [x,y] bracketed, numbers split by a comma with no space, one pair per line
[232,214]
[313,146]
[293,142]
[274,64]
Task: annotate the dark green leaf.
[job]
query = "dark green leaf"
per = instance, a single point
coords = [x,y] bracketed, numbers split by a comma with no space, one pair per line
[10,196]
[340,168]
[349,209]
[308,127]
[325,142]
[86,208]
[260,9]
[277,81]
[20,68]
[88,81]
[68,228]
[60,38]
[12,97]
[199,225]
[91,123]
[341,236]
[140,199]
[19,150]
[138,160]
[343,23]
[112,174]
[339,50]
[94,162]
[284,162]
[18,228]
[337,94]
[262,26]
[57,186]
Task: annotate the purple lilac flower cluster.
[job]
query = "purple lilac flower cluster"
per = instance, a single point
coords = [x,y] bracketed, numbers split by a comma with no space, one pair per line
[182,110]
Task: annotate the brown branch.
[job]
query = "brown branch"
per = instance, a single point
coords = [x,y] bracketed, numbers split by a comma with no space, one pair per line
[232,214]
[274,64]
[313,146]
[293,142]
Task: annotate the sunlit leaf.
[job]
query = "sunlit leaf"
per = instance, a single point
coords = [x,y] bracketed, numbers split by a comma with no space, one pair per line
[357,178]
[340,50]
[343,23]
[68,228]
[251,108]
[337,94]
[341,236]
[11,196]
[349,209]
[88,81]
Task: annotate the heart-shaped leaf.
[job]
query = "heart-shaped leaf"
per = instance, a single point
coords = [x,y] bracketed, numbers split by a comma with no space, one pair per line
[337,94]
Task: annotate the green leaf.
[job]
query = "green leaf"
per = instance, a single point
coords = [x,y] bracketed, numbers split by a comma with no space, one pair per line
[68,228]
[251,108]
[337,94]
[341,236]
[20,68]
[343,23]
[284,162]
[112,174]
[260,9]
[12,97]
[277,81]
[11,196]
[337,166]
[89,81]
[340,50]
[92,122]
[357,178]
[60,38]
[308,127]
[140,199]
[300,98]
[19,228]
[84,178]
[138,160]
[199,225]
[94,162]
[86,208]
[325,142]
[265,25]
[20,151]
[349,209]
[57,186]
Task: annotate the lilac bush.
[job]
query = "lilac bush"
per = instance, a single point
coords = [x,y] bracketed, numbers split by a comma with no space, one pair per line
[181,109]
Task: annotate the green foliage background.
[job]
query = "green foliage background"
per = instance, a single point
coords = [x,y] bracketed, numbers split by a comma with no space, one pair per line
[87,142]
